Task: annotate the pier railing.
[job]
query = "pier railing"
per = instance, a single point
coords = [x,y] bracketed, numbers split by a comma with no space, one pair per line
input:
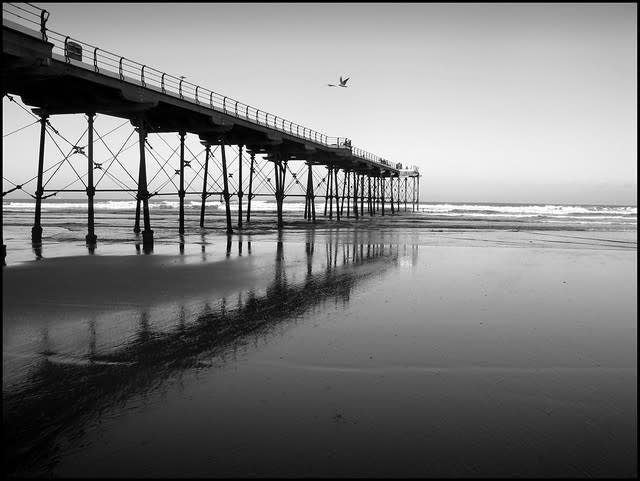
[84,55]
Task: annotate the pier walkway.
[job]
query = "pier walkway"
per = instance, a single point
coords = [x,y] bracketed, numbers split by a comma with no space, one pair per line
[55,74]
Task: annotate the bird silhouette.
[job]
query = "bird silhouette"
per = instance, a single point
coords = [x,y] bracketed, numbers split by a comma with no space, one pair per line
[343,83]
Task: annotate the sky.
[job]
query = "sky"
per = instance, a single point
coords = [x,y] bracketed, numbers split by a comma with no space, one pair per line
[531,103]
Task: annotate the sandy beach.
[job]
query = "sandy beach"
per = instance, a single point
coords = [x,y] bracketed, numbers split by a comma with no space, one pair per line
[326,353]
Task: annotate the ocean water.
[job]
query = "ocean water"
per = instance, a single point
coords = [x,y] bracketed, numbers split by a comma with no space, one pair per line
[461,340]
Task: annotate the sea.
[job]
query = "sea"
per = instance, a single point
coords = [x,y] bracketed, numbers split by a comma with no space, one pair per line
[449,214]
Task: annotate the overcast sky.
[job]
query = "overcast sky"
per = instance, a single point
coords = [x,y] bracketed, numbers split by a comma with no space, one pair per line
[494,102]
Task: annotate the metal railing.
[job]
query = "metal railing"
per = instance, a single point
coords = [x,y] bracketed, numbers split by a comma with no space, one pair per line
[82,54]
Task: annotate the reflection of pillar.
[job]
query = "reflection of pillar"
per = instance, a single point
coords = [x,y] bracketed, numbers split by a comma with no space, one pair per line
[253,156]
[36,230]
[181,191]
[91,237]
[309,247]
[92,339]
[225,192]
[204,181]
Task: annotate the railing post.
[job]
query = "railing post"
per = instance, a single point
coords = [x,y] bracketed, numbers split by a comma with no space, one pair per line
[36,230]
[204,182]
[91,237]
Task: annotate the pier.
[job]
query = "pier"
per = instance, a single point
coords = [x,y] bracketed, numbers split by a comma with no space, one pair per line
[247,152]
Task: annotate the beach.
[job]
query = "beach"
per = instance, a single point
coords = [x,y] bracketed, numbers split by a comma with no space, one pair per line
[397,346]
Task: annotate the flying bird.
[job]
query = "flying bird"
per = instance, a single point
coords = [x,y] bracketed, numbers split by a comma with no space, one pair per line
[343,83]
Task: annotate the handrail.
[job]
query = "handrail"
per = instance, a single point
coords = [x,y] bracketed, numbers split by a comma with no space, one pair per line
[106,61]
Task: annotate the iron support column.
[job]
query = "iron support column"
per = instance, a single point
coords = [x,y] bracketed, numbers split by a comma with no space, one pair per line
[362,195]
[418,195]
[413,196]
[181,191]
[91,237]
[355,194]
[240,194]
[36,230]
[405,193]
[226,188]
[143,193]
[327,196]
[207,153]
[253,156]
[391,193]
[337,192]
[383,185]
[370,199]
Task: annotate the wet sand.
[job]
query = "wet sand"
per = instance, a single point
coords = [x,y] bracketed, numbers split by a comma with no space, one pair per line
[339,352]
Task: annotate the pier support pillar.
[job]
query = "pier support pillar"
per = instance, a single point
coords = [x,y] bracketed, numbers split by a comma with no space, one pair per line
[240,193]
[362,195]
[280,168]
[370,204]
[329,192]
[383,185]
[405,193]
[391,194]
[181,191]
[207,154]
[335,173]
[413,196]
[250,196]
[310,206]
[225,192]
[91,237]
[143,193]
[36,230]
[355,195]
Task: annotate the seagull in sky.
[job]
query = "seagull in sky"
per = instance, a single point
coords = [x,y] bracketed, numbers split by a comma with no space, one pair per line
[343,83]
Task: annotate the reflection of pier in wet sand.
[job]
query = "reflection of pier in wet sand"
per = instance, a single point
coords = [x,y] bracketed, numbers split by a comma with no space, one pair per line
[38,415]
